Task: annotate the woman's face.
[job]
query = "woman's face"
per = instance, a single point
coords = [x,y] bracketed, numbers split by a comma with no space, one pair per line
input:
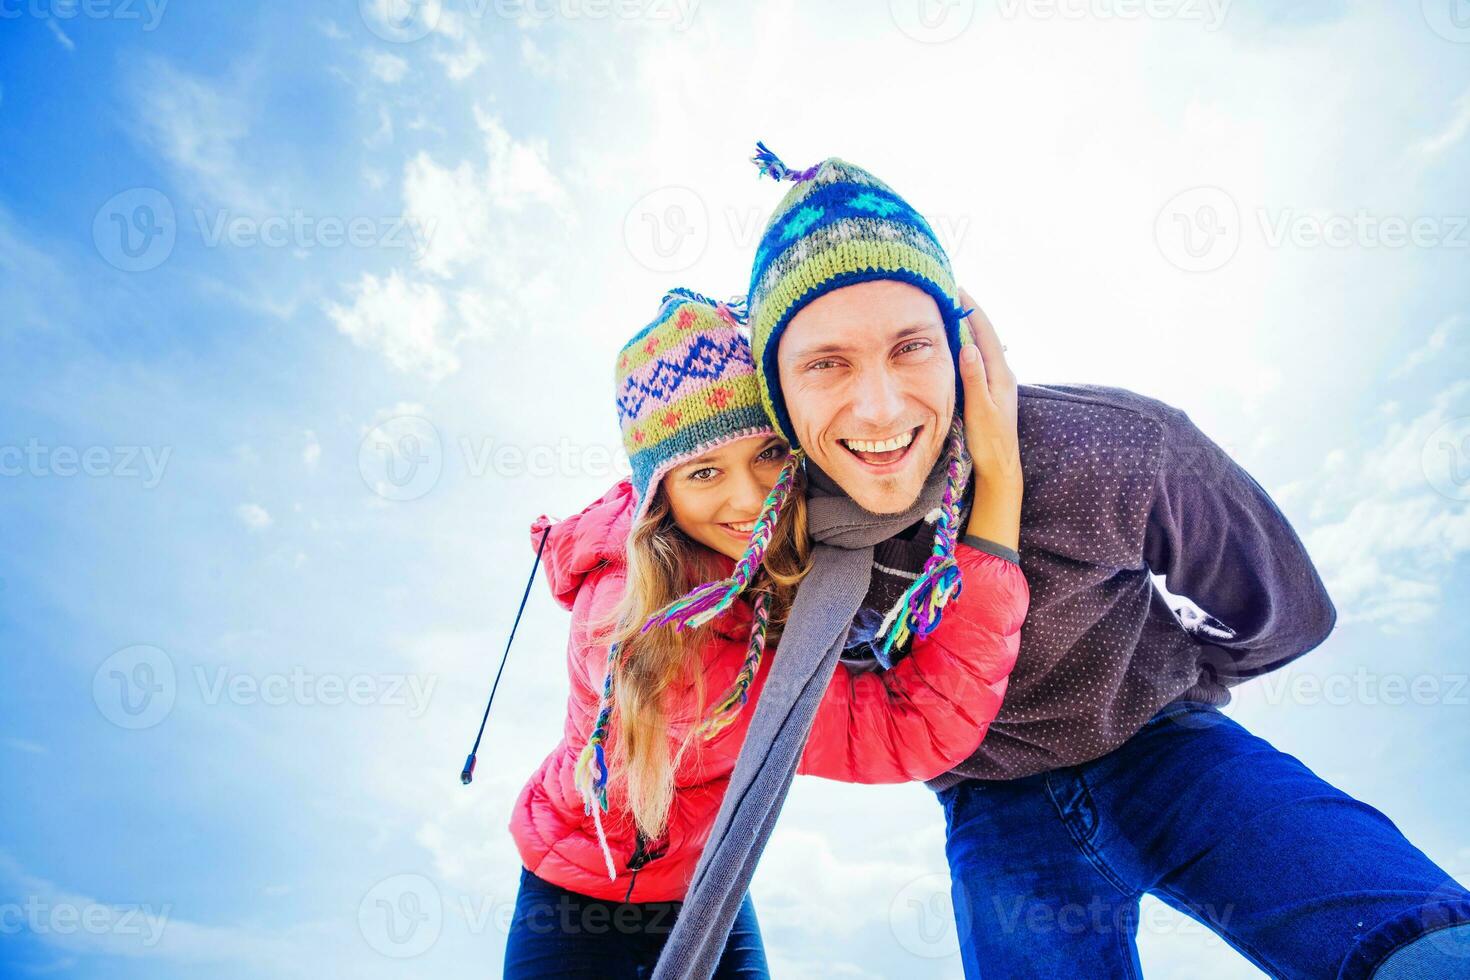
[716,498]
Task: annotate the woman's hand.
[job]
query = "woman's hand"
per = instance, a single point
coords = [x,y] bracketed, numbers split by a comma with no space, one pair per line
[990,432]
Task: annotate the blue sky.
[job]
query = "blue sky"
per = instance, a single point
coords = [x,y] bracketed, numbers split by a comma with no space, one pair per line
[306,314]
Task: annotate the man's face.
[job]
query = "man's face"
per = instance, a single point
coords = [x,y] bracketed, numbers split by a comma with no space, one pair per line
[869,385]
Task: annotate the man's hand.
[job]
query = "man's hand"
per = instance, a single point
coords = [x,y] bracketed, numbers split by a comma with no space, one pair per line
[990,432]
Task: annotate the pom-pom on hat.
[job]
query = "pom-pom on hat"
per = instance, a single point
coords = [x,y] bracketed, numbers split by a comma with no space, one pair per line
[839,225]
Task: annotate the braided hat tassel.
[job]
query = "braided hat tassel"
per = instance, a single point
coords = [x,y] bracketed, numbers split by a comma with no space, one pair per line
[590,773]
[771,166]
[728,709]
[920,608]
[709,600]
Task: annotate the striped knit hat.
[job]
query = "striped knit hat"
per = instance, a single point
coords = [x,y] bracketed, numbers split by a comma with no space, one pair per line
[838,226]
[686,385]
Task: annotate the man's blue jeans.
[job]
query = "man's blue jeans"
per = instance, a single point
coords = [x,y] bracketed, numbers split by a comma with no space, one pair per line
[1301,878]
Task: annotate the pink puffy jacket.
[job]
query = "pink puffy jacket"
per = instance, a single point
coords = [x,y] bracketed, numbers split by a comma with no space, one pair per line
[912,722]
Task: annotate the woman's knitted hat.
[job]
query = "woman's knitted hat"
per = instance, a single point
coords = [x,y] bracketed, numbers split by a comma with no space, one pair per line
[686,385]
[839,225]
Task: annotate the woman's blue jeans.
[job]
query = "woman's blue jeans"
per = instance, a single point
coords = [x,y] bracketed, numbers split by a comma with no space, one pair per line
[1301,878]
[559,933]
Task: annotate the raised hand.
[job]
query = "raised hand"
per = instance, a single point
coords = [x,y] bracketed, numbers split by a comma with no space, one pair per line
[990,432]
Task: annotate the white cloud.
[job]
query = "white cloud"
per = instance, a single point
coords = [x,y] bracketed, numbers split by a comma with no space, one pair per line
[60,35]
[1453,132]
[464,55]
[835,896]
[1384,537]
[387,67]
[384,132]
[487,256]
[311,453]
[402,320]
[36,289]
[519,172]
[198,128]
[456,204]
[538,63]
[397,410]
[1438,342]
[135,929]
[254,516]
[24,745]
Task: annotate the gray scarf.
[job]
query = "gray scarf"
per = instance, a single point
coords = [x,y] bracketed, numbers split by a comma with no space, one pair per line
[842,562]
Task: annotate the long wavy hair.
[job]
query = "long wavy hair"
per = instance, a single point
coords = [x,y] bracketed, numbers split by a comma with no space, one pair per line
[664,563]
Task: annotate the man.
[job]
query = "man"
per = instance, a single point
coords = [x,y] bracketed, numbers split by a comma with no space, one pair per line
[1110,771]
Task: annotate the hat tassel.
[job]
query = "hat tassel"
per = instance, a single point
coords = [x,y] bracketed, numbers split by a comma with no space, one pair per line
[771,166]
[921,607]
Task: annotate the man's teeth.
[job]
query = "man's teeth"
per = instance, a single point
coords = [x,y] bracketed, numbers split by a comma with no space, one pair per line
[888,445]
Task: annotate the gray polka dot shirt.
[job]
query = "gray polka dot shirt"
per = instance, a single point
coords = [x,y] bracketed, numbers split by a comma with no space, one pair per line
[1119,487]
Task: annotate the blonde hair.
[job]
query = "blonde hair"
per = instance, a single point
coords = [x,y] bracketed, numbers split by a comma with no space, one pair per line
[663,563]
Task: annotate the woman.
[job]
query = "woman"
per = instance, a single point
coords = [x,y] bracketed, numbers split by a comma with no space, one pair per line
[611,826]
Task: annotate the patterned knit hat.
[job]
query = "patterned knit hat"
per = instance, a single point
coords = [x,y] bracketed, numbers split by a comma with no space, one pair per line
[839,225]
[686,385]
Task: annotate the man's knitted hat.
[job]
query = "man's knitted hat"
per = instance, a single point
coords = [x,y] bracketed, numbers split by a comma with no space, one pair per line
[838,226]
[685,385]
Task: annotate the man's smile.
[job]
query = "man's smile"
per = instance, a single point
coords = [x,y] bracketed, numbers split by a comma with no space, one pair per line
[882,454]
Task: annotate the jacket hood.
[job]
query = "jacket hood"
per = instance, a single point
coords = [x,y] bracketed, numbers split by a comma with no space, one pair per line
[584,542]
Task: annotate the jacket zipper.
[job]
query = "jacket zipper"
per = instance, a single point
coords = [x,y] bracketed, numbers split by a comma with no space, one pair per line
[642,854]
